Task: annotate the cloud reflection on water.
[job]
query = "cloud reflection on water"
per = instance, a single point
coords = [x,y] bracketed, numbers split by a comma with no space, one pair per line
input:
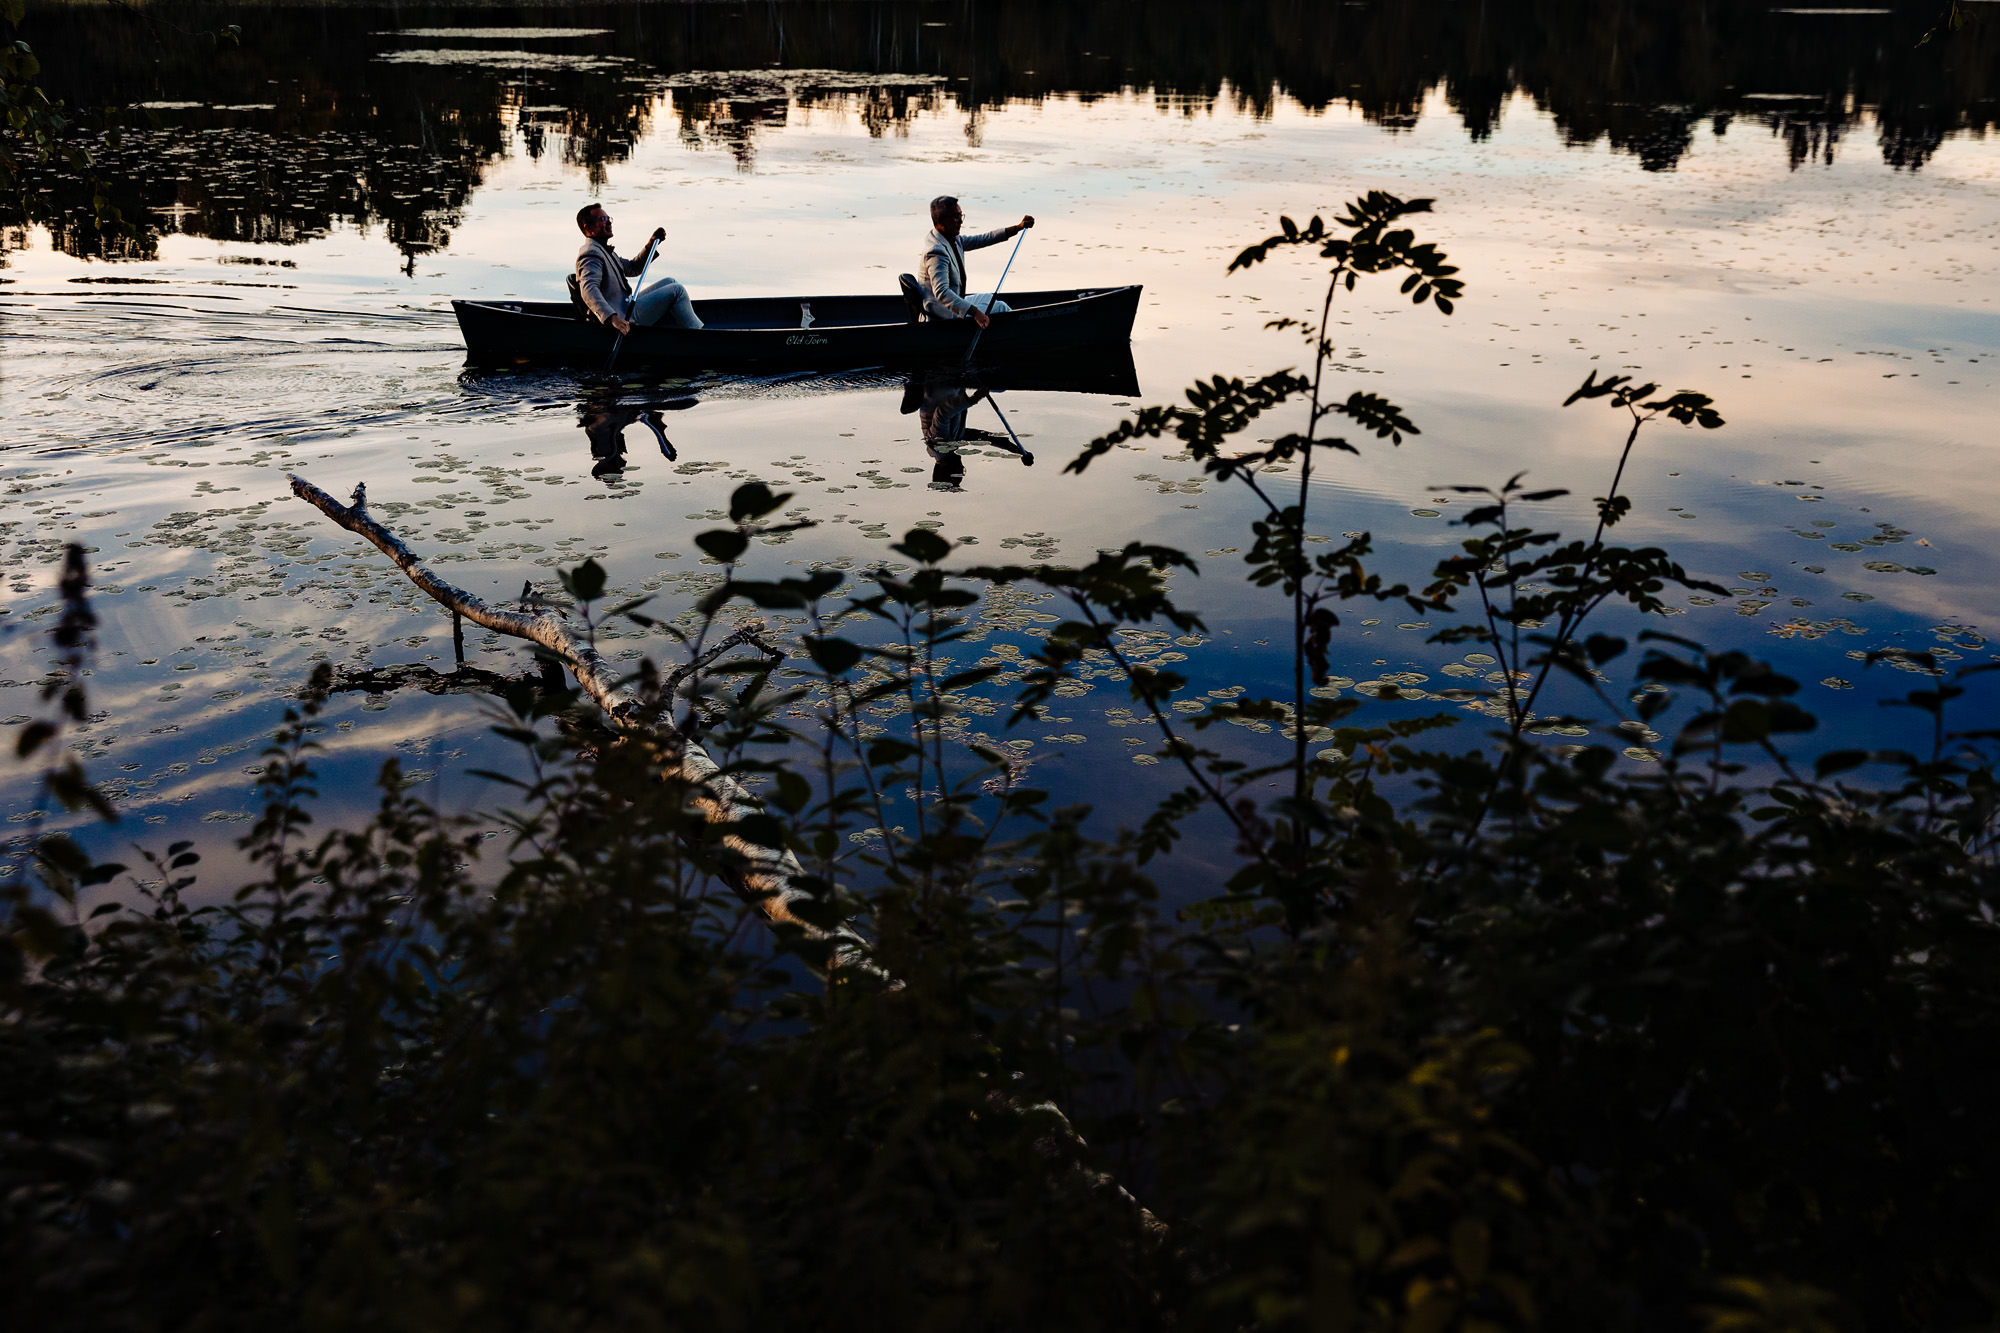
[1840,312]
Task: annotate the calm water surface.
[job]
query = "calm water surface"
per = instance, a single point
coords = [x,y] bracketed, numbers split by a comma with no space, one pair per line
[1801,227]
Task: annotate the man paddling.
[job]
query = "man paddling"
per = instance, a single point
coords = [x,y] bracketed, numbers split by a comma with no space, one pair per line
[943,265]
[602,280]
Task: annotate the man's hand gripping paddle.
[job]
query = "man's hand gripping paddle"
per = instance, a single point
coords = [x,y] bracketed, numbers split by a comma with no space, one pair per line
[632,303]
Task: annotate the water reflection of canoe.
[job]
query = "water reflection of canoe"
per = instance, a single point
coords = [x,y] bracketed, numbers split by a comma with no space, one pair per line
[1105,370]
[765,331]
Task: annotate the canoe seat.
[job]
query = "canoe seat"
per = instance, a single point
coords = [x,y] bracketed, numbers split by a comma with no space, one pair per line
[576,301]
[913,297]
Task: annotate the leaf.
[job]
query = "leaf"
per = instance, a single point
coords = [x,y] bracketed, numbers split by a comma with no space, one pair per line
[1379,415]
[833,656]
[887,751]
[794,792]
[1602,648]
[1254,254]
[33,737]
[770,596]
[1686,407]
[1757,719]
[753,500]
[1760,678]
[1590,388]
[763,830]
[923,546]
[960,679]
[722,544]
[585,582]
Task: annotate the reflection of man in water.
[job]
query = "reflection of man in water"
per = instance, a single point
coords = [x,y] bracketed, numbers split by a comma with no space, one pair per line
[604,419]
[942,417]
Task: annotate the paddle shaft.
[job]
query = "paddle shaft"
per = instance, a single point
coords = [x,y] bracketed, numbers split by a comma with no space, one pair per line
[1003,422]
[978,334]
[632,304]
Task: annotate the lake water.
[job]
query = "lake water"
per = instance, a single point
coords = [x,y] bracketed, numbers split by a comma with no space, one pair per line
[1793,210]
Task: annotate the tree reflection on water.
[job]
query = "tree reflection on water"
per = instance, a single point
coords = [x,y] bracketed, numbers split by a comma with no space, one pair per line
[369,116]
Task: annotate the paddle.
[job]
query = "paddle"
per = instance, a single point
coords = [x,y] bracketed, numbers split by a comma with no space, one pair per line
[978,334]
[995,402]
[631,304]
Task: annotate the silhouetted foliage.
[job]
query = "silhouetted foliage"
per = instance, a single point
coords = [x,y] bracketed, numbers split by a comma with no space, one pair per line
[1517,1033]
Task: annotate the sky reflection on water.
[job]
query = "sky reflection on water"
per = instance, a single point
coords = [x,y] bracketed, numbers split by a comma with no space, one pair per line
[1840,313]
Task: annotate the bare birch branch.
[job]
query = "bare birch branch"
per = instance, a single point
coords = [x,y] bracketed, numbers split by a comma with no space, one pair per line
[749,634]
[762,876]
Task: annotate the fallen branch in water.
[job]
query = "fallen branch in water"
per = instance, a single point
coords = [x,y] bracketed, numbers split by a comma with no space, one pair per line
[751,634]
[763,876]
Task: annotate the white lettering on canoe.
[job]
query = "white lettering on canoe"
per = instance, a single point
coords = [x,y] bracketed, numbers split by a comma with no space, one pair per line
[805,340]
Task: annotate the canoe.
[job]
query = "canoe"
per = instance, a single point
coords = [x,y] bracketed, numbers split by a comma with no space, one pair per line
[844,331]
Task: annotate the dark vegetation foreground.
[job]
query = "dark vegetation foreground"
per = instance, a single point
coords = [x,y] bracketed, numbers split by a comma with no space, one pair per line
[1476,1032]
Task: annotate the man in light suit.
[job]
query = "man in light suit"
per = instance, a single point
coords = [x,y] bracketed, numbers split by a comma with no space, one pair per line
[602,286]
[943,267]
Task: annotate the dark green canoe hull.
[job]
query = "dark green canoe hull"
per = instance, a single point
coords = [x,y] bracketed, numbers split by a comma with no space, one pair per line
[764,333]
